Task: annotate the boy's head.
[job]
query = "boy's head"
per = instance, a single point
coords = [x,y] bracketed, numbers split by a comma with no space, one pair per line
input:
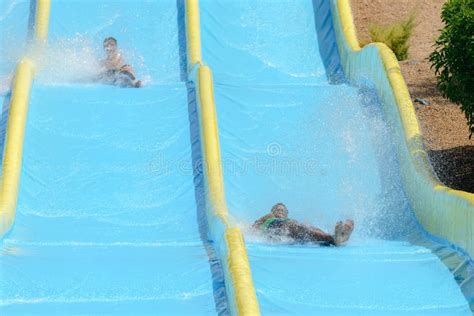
[279,210]
[110,45]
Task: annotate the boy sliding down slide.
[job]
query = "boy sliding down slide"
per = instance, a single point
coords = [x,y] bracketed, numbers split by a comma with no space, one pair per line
[277,224]
[115,71]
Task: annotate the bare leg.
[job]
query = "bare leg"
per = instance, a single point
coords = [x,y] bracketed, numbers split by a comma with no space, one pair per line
[131,79]
[307,233]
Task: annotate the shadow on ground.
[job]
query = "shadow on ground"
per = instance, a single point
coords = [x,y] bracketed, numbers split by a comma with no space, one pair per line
[454,167]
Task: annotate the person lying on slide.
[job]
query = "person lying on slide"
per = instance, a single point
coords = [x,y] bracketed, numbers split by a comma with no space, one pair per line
[277,224]
[115,71]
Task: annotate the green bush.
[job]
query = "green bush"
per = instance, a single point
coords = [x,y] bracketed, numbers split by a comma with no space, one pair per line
[453,58]
[395,36]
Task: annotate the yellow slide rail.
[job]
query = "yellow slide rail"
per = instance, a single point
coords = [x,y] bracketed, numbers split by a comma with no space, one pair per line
[442,211]
[227,238]
[43,8]
[13,152]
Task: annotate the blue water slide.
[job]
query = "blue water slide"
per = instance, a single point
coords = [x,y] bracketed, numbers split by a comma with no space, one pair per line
[293,131]
[15,26]
[15,22]
[109,219]
[110,216]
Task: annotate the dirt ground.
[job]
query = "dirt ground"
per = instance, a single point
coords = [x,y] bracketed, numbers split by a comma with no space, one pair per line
[443,124]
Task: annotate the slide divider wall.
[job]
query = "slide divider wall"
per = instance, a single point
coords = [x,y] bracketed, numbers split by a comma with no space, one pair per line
[228,239]
[13,152]
[442,211]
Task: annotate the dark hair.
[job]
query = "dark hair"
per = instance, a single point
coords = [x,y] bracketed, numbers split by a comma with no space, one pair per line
[279,205]
[107,39]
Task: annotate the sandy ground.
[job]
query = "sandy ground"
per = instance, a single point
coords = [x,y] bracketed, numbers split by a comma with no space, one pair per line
[443,124]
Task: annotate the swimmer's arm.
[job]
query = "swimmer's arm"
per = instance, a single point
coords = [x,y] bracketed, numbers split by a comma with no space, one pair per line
[261,220]
[115,62]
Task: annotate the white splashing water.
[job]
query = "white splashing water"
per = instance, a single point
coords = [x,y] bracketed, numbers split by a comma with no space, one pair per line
[75,60]
[5,84]
[67,60]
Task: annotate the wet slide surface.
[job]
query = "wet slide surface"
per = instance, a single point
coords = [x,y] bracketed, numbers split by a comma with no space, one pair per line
[107,220]
[14,22]
[287,135]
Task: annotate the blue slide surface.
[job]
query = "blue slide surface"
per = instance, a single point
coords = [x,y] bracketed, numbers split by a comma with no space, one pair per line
[110,217]
[288,135]
[107,219]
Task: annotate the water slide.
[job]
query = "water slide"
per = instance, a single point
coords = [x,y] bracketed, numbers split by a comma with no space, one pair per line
[293,130]
[114,216]
[107,220]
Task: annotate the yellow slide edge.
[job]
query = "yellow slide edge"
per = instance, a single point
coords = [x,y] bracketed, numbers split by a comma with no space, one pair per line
[442,211]
[43,8]
[243,291]
[13,152]
[193,32]
[240,291]
[11,167]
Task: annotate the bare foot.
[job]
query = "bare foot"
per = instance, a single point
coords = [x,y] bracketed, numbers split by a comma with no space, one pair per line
[138,84]
[338,228]
[343,232]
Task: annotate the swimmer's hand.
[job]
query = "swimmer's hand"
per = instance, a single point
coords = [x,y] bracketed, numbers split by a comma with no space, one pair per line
[261,220]
[127,68]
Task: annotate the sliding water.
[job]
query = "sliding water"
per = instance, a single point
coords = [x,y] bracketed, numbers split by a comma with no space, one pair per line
[292,131]
[107,218]
[115,217]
